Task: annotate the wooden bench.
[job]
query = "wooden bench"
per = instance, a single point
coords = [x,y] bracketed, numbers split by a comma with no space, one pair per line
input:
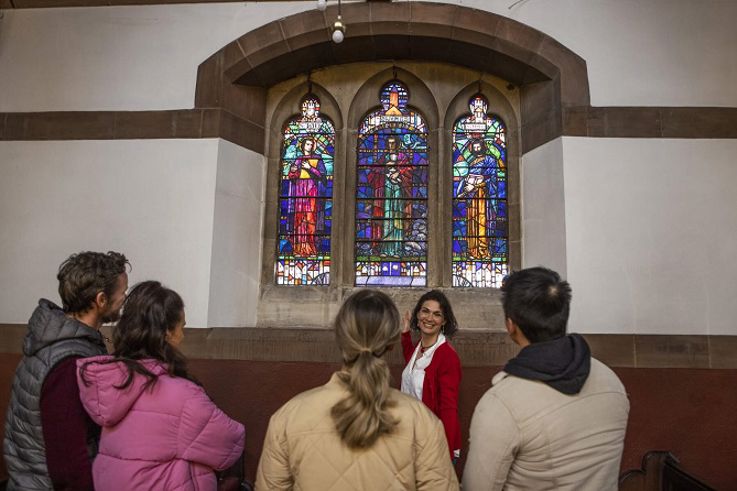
[660,472]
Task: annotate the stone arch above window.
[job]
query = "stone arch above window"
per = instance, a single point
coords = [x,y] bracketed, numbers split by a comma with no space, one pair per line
[549,76]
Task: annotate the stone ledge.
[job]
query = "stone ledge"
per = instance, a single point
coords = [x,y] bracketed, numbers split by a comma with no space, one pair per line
[477,348]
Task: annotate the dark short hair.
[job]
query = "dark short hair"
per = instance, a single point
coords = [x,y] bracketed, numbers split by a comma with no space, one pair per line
[83,275]
[538,301]
[451,325]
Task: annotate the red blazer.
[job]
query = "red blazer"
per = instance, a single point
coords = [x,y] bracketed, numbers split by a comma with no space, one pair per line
[440,388]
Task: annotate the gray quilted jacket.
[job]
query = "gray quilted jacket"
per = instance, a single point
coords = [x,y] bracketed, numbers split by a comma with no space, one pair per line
[51,337]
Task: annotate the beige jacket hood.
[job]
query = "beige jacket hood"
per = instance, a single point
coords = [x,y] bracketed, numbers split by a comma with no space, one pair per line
[302,449]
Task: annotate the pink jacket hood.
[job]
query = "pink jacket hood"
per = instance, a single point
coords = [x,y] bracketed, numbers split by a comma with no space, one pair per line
[99,378]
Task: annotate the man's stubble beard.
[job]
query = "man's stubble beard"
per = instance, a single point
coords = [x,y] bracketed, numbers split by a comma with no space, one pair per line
[110,317]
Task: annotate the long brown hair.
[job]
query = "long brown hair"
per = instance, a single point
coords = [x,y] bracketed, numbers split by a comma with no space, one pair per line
[150,312]
[366,326]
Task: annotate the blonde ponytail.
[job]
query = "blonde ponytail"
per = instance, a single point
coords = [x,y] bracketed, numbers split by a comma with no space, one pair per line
[366,326]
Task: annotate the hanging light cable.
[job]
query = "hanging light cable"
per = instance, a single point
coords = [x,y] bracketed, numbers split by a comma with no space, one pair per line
[338,27]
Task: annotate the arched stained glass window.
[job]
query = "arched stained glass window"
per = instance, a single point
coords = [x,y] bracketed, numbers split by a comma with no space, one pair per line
[480,220]
[391,193]
[305,198]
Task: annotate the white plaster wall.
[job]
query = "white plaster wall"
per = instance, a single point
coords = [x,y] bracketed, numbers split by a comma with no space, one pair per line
[543,207]
[236,244]
[651,235]
[117,58]
[152,200]
[641,52]
[638,52]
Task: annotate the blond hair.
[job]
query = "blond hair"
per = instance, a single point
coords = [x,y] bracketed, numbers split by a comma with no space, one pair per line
[366,326]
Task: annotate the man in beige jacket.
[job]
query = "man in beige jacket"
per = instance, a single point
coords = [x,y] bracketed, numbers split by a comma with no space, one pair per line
[555,418]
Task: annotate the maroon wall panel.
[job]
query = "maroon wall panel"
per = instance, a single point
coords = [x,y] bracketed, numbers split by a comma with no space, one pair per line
[690,412]
[251,391]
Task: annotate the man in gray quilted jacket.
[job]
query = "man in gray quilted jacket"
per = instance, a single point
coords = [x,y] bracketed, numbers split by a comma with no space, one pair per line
[49,438]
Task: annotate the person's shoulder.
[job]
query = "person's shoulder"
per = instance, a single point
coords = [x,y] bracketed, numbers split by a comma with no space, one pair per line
[312,401]
[447,351]
[175,396]
[601,377]
[416,422]
[407,408]
[181,385]
[600,366]
[445,359]
[309,397]
[500,399]
[447,346]
[507,389]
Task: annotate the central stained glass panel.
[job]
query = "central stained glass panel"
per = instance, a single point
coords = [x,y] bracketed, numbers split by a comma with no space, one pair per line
[391,193]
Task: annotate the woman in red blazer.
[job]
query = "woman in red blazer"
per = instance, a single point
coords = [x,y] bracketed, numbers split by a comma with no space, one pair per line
[433,371]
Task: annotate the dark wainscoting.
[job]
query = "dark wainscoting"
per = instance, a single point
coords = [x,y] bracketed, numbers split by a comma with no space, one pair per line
[687,411]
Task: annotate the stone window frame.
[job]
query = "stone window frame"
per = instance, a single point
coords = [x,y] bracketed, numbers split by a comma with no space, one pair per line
[315,306]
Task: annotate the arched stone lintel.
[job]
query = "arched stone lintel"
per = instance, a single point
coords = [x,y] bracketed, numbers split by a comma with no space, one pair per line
[549,75]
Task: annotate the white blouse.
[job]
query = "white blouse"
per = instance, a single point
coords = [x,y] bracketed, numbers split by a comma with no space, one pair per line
[413,376]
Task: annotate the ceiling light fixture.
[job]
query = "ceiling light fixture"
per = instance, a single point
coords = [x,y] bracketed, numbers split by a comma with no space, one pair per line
[337,30]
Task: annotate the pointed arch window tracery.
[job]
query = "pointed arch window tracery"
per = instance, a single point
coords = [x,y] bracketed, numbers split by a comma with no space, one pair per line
[305,198]
[394,223]
[391,193]
[480,255]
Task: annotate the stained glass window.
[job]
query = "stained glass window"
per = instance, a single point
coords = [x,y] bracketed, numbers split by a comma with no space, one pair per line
[480,219]
[391,193]
[305,198]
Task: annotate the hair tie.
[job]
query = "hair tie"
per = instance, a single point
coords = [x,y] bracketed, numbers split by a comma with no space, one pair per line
[380,353]
[364,351]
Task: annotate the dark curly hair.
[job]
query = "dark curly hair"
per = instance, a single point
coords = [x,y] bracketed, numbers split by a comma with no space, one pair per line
[149,313]
[83,275]
[451,325]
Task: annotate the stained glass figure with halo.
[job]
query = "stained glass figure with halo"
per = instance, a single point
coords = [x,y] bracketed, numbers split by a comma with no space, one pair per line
[480,219]
[305,198]
[391,193]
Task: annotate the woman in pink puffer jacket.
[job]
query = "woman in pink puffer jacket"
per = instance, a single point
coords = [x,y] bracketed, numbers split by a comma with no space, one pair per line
[160,430]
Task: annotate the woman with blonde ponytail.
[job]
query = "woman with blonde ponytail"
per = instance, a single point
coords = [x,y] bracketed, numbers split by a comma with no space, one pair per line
[355,432]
